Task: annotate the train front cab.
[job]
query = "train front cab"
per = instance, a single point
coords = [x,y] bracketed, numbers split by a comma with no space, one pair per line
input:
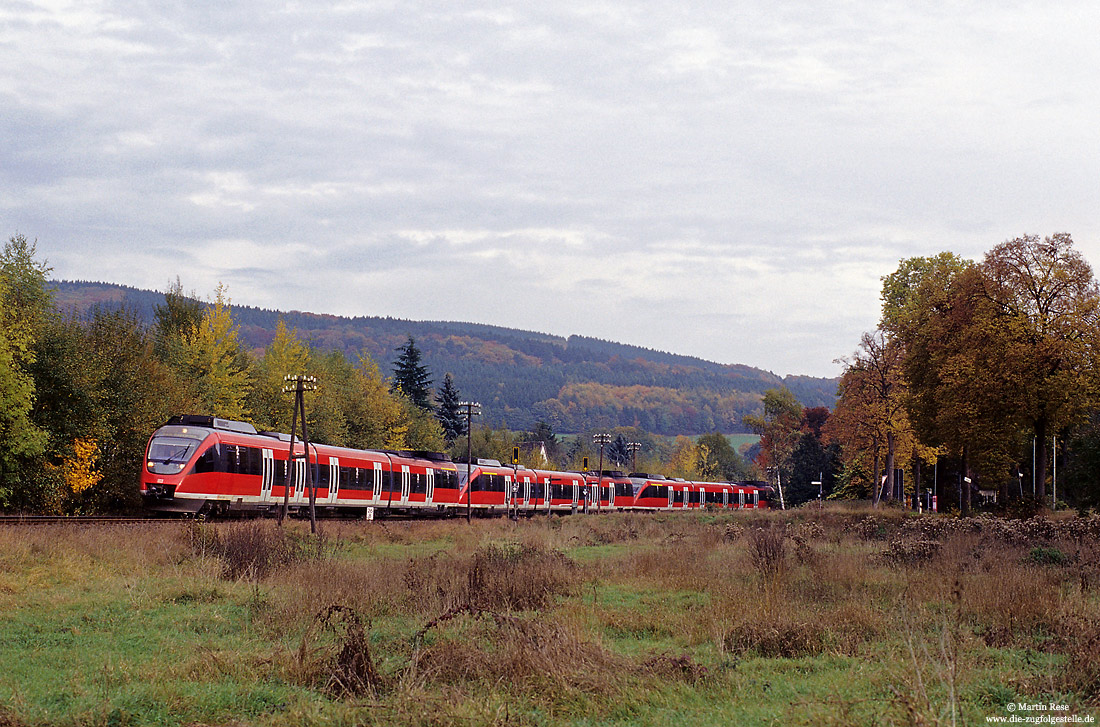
[170,457]
[651,492]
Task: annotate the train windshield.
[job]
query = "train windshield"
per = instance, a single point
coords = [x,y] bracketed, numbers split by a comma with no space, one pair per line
[168,455]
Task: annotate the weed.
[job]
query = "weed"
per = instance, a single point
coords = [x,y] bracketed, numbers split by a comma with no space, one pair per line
[334,651]
[768,548]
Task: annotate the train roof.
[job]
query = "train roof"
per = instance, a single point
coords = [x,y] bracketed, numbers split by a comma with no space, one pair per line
[210,422]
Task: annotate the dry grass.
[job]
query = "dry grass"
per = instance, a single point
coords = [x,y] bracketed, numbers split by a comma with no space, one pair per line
[444,623]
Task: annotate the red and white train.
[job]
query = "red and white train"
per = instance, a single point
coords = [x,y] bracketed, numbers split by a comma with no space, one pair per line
[202,464]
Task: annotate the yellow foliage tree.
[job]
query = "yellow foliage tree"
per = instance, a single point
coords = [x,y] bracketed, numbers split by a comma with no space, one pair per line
[685,459]
[214,363]
[376,418]
[287,354]
[79,471]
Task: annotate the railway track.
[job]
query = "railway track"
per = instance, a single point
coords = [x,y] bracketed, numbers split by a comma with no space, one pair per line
[82,520]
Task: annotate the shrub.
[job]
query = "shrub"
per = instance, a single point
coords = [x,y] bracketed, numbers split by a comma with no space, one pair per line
[910,551]
[516,578]
[782,639]
[529,655]
[871,528]
[255,549]
[494,578]
[1047,556]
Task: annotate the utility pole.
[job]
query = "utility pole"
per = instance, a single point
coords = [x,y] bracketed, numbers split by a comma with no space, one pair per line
[600,439]
[470,414]
[633,447]
[298,384]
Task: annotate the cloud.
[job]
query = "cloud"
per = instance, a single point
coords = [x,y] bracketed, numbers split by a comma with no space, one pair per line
[728,181]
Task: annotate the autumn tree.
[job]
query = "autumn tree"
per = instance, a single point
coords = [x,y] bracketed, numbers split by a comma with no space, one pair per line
[286,355]
[174,320]
[855,427]
[779,429]
[376,419]
[544,434]
[877,380]
[685,459]
[25,307]
[1046,294]
[721,461]
[214,363]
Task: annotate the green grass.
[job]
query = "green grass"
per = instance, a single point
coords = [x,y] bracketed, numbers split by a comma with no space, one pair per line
[126,626]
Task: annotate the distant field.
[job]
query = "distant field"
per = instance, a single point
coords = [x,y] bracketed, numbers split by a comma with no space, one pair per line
[814,617]
[740,441]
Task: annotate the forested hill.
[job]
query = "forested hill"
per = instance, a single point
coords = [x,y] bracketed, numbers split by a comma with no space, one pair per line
[521,377]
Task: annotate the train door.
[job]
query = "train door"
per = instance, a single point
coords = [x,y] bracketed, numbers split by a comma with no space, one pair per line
[509,494]
[611,495]
[576,493]
[756,498]
[299,492]
[671,494]
[333,479]
[377,494]
[267,470]
[725,498]
[429,491]
[406,484]
[526,491]
[546,493]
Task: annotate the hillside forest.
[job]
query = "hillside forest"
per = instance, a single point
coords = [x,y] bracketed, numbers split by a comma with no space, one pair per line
[978,387]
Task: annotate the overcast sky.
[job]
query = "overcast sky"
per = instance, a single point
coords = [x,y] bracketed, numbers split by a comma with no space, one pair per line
[727,180]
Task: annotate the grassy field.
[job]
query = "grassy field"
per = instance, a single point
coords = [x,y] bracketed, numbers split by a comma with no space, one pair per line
[815,617]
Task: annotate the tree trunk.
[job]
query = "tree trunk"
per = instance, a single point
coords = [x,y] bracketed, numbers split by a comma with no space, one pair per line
[876,488]
[916,483]
[964,504]
[888,485]
[1041,459]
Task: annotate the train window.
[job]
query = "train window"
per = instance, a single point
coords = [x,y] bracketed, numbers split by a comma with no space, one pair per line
[230,458]
[169,455]
[208,460]
[254,458]
[322,474]
[418,483]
